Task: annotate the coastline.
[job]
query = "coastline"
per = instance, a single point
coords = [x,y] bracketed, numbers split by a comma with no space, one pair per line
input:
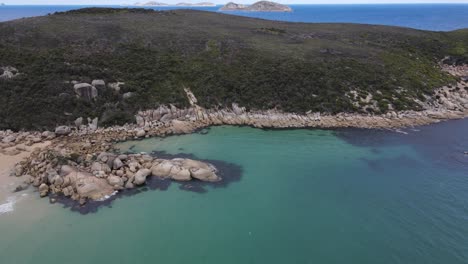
[88,144]
[80,163]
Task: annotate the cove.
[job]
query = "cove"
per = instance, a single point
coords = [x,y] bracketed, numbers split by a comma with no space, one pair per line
[305,196]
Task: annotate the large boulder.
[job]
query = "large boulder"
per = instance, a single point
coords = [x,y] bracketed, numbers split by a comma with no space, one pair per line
[204,175]
[162,169]
[201,170]
[43,190]
[140,176]
[85,90]
[140,133]
[93,123]
[48,135]
[115,181]
[90,187]
[62,130]
[117,164]
[78,122]
[98,83]
[180,174]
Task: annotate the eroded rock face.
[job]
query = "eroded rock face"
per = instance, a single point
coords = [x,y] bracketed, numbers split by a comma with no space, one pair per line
[85,90]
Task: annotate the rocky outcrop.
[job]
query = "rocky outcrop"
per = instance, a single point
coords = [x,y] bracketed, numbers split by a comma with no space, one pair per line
[14,143]
[261,6]
[93,173]
[448,102]
[184,170]
[8,72]
[85,91]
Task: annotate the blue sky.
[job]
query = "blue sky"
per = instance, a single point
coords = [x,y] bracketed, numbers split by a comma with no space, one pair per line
[111,2]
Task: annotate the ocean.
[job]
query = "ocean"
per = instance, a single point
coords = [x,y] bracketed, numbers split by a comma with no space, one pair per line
[289,196]
[437,17]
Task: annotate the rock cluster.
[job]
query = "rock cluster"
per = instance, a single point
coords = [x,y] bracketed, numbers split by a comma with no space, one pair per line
[13,143]
[71,167]
[91,91]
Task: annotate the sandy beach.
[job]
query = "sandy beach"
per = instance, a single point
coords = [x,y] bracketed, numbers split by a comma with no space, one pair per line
[8,182]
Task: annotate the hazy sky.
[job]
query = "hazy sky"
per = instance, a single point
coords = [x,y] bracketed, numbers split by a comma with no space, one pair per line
[110,2]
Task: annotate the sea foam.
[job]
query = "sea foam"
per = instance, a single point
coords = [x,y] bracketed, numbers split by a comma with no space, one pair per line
[8,206]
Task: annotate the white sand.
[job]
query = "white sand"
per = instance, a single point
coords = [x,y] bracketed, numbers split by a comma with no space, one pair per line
[7,182]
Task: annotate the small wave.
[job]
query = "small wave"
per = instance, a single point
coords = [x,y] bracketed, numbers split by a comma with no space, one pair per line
[108,196]
[8,206]
[401,131]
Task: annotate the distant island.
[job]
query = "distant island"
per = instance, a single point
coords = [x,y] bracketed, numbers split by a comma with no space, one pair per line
[2,4]
[261,6]
[196,4]
[152,3]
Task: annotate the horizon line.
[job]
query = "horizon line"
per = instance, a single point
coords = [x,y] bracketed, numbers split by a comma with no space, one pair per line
[406,3]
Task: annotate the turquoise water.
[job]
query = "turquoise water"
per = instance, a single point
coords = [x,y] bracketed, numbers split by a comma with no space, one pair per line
[440,17]
[305,196]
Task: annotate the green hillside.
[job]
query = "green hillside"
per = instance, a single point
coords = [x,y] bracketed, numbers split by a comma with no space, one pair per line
[222,58]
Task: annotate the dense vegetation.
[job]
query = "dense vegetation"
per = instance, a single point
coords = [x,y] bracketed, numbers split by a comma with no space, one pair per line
[223,59]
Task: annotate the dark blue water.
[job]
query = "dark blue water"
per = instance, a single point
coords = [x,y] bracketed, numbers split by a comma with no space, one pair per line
[439,17]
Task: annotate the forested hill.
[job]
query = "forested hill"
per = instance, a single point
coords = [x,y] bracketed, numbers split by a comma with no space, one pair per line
[260,64]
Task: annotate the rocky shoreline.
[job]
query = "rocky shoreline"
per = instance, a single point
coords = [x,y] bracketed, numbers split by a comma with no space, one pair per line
[81,164]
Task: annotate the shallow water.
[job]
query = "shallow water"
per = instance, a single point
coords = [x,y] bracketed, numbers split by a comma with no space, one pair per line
[305,196]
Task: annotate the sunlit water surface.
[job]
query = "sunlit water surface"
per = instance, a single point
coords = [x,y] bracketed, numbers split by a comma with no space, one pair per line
[304,196]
